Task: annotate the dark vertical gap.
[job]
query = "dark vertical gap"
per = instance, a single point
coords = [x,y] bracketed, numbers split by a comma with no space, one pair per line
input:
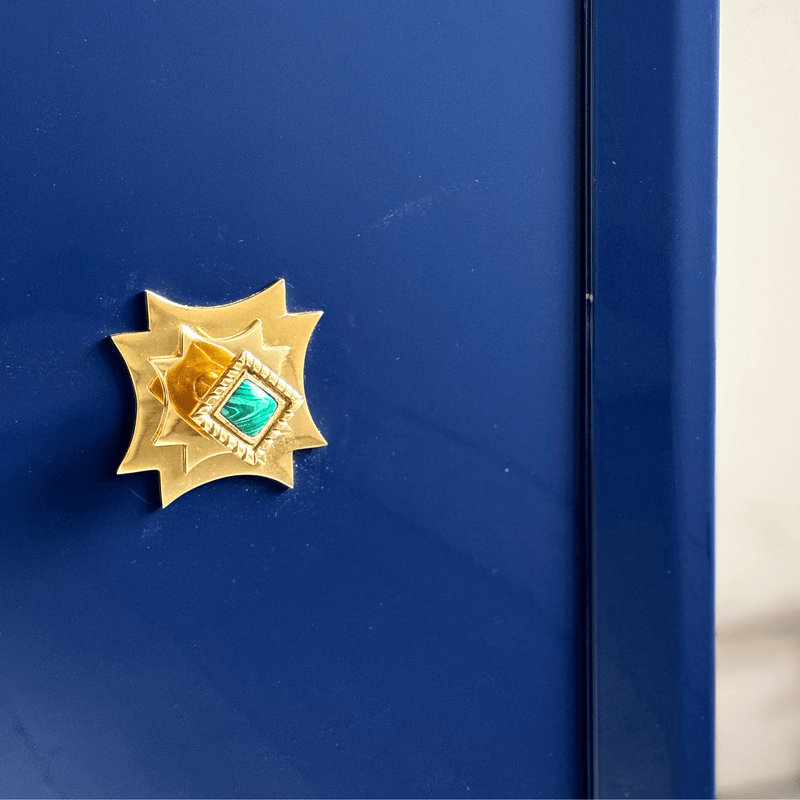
[585,299]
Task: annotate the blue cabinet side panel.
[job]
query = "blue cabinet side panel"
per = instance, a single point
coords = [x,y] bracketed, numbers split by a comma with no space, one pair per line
[404,621]
[654,156]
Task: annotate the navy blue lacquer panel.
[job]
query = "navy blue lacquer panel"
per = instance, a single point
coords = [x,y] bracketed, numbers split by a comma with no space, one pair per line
[654,137]
[405,622]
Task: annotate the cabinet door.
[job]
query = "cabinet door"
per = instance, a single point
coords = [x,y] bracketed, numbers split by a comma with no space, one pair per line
[408,620]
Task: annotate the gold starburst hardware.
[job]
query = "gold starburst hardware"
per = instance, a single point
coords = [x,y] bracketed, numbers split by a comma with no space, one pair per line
[219,391]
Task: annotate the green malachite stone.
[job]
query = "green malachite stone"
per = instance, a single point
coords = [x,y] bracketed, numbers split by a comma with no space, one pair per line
[249,408]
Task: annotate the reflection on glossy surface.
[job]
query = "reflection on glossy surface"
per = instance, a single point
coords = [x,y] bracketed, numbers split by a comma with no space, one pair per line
[192,378]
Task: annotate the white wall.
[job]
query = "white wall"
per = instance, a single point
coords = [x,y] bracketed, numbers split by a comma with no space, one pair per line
[758,391]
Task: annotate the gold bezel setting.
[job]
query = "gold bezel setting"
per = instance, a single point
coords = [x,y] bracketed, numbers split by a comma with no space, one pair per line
[251,449]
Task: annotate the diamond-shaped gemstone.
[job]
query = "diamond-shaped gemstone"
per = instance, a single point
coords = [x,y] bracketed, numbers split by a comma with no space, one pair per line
[249,408]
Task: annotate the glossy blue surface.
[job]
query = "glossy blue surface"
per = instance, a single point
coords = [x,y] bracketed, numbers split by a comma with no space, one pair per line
[407,620]
[654,137]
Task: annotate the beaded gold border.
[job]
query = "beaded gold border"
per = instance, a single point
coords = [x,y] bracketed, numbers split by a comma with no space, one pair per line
[252,450]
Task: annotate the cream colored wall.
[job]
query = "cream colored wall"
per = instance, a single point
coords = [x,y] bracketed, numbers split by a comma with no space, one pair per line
[758,401]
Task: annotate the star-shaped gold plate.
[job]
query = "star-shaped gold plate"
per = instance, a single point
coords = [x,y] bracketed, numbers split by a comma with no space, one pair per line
[219,391]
